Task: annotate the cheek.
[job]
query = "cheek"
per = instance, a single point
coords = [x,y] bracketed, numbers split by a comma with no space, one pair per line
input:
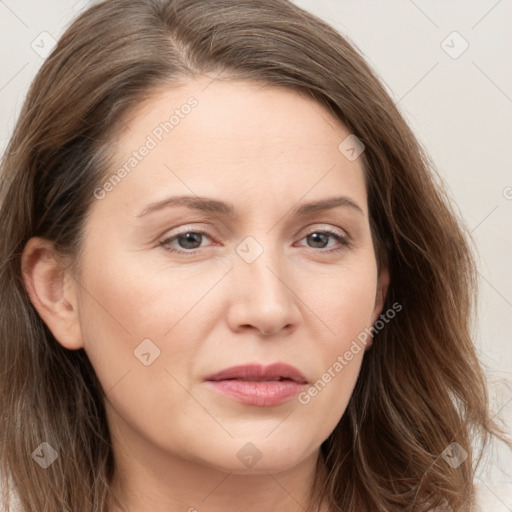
[129,297]
[326,398]
[125,314]
[324,402]
[346,306]
[120,308]
[143,323]
[343,298]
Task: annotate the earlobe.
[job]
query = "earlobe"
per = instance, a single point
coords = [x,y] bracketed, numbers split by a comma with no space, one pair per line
[51,291]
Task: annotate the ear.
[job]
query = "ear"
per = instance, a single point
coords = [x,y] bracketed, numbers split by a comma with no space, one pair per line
[380,297]
[52,291]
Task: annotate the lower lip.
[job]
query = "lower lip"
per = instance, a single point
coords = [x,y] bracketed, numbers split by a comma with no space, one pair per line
[261,393]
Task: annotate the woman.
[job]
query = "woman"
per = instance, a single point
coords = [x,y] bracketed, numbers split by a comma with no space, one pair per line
[229,280]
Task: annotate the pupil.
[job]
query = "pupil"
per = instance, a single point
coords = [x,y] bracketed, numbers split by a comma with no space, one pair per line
[320,238]
[190,239]
[193,240]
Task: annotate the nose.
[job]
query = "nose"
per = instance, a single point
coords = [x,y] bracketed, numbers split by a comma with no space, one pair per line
[262,296]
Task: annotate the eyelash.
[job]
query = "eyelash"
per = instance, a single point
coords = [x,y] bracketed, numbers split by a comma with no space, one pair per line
[343,240]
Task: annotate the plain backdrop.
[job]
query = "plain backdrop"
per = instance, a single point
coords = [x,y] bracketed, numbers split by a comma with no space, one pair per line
[447,66]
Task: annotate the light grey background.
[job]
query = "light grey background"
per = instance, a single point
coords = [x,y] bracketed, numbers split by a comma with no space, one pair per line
[459,106]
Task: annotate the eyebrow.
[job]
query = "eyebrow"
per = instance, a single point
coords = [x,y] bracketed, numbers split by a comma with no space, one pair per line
[219,207]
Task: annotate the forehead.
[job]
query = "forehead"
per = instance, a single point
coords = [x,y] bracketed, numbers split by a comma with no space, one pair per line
[240,115]
[206,137]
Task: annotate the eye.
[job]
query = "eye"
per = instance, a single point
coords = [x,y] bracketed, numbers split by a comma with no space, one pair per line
[319,239]
[186,241]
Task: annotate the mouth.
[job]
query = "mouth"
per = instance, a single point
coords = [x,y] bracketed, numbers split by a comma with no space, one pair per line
[260,373]
[254,384]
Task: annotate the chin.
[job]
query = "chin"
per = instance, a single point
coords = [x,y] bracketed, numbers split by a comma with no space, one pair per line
[257,456]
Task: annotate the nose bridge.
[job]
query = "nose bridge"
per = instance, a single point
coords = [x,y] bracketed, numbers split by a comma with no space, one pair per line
[264,298]
[260,267]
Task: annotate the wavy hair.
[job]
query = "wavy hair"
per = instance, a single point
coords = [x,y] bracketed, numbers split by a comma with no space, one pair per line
[421,386]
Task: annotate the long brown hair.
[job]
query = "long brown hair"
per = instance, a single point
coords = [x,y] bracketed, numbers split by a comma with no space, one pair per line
[420,388]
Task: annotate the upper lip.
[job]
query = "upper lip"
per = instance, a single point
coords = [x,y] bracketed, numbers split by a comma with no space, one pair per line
[254,372]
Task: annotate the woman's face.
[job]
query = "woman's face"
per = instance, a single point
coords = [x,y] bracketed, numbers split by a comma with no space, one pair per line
[238,234]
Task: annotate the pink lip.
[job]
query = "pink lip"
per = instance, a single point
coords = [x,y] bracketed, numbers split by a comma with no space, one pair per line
[254,384]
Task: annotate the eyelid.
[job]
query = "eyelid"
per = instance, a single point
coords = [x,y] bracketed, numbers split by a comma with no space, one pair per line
[342,237]
[187,228]
[318,227]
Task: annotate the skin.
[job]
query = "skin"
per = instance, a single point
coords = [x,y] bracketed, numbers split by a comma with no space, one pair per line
[266,150]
